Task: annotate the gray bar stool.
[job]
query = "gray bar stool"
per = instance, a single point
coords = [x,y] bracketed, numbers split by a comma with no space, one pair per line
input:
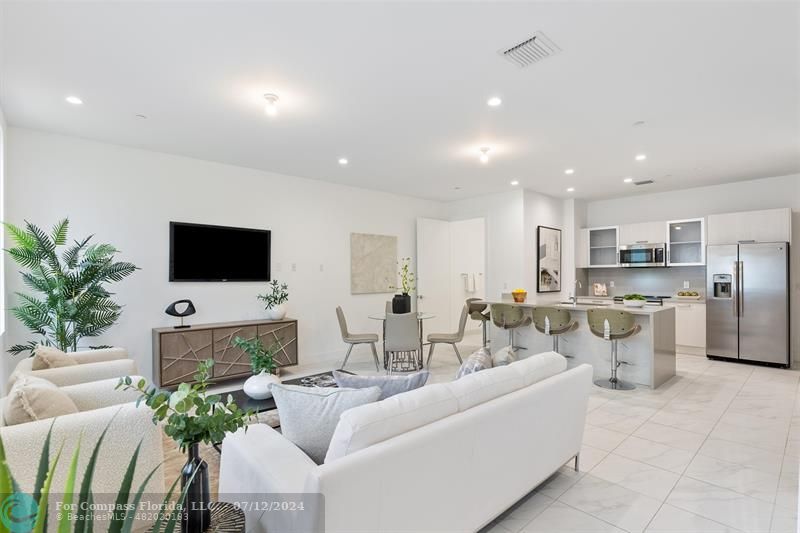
[479,312]
[510,317]
[560,322]
[621,325]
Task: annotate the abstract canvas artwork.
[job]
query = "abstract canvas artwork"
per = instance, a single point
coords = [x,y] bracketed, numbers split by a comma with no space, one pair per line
[373,263]
[548,259]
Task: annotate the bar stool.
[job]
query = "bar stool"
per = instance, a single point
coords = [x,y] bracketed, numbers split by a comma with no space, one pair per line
[621,325]
[560,322]
[510,317]
[476,312]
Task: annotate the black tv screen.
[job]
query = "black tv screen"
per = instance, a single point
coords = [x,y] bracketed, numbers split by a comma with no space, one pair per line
[198,252]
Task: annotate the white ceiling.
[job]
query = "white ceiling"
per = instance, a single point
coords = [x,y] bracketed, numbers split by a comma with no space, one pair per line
[400,89]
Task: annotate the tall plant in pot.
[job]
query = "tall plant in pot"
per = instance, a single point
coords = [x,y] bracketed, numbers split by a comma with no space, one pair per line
[401,303]
[70,282]
[275,299]
[262,362]
[192,416]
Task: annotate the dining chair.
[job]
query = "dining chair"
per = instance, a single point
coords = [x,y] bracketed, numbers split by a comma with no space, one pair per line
[449,338]
[401,341]
[356,338]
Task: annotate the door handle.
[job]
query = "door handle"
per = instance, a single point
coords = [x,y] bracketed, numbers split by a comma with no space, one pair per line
[735,288]
[741,288]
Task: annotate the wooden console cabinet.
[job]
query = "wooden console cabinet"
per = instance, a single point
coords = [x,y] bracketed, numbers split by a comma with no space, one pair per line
[176,352]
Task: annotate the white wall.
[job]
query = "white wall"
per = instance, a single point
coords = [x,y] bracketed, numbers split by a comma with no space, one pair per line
[127,197]
[768,193]
[3,129]
[467,256]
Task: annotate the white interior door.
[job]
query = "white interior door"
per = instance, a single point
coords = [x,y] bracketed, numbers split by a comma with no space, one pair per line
[433,273]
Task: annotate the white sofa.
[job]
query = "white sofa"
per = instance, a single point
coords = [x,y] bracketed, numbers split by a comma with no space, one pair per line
[93,365]
[99,405]
[448,457]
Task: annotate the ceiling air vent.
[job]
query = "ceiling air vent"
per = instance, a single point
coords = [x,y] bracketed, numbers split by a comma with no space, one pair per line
[531,50]
[644,182]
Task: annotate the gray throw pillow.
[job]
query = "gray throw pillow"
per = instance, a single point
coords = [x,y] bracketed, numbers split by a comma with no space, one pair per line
[389,385]
[479,360]
[309,415]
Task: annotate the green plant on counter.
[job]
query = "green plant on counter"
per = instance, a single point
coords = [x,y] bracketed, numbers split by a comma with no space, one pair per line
[633,297]
[261,359]
[191,414]
[29,512]
[74,302]
[277,294]
[408,282]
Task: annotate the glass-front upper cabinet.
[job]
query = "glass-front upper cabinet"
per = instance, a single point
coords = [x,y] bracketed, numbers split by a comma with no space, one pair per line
[686,242]
[604,246]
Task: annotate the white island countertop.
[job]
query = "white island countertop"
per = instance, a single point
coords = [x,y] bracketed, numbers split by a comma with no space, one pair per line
[650,354]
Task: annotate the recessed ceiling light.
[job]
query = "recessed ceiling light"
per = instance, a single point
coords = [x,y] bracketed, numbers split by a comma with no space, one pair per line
[569,171]
[628,180]
[641,157]
[271,107]
[515,182]
[494,101]
[343,161]
[484,154]
[678,227]
[74,100]
[570,189]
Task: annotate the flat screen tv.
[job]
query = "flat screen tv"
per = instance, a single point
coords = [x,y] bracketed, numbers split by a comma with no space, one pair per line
[199,252]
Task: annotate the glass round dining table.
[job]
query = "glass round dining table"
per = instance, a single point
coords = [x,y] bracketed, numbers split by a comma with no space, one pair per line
[421,316]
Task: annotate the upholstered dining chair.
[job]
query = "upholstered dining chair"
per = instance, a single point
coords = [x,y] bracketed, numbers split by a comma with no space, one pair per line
[449,338]
[356,338]
[402,342]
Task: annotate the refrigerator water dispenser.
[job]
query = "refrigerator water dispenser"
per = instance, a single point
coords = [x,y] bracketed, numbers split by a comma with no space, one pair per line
[722,285]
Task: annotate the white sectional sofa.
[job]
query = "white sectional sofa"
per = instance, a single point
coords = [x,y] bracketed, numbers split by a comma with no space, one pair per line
[93,365]
[448,457]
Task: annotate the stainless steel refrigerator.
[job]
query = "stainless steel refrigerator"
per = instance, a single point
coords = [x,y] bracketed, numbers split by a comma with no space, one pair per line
[747,302]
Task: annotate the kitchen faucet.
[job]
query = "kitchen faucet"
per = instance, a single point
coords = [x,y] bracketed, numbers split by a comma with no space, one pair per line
[574,297]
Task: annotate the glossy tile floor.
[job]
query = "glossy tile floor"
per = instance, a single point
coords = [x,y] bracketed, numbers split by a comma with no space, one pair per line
[714,450]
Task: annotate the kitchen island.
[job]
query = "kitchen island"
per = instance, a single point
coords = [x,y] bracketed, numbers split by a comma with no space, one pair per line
[650,354]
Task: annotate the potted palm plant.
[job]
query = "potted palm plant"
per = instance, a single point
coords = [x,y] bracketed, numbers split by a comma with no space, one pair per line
[192,416]
[401,303]
[70,282]
[275,299]
[262,362]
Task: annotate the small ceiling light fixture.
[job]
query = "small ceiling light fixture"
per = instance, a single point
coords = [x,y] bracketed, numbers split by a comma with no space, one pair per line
[641,157]
[570,189]
[494,101]
[74,100]
[343,161]
[628,180]
[271,107]
[569,171]
[514,183]
[484,154]
[678,227]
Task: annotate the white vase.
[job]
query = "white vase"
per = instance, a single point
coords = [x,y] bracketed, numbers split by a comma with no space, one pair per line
[259,386]
[633,303]
[276,312]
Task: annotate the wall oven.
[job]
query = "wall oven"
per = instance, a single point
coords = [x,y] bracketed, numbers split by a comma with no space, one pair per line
[643,255]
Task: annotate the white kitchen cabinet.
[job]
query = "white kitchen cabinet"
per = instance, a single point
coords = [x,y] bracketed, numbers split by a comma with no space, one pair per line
[642,233]
[582,249]
[603,247]
[690,324]
[768,225]
[686,242]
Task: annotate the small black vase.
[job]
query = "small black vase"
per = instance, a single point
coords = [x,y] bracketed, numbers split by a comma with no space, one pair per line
[197,516]
[401,303]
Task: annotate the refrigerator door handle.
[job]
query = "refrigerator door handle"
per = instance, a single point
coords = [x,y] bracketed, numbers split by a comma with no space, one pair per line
[735,288]
[740,290]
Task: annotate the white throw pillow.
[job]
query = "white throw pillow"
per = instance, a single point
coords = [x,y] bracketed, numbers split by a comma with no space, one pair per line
[481,387]
[504,356]
[45,357]
[370,424]
[540,366]
[389,385]
[479,360]
[309,415]
[32,399]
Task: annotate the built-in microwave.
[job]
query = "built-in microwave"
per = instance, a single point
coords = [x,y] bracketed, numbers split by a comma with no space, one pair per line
[643,255]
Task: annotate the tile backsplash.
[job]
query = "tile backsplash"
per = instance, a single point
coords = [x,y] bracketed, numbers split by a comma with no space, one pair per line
[654,281]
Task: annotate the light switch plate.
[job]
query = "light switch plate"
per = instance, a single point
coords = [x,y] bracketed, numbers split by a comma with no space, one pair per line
[685,284]
[611,284]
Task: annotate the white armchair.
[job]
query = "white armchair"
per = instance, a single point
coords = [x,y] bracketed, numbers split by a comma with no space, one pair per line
[99,404]
[93,365]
